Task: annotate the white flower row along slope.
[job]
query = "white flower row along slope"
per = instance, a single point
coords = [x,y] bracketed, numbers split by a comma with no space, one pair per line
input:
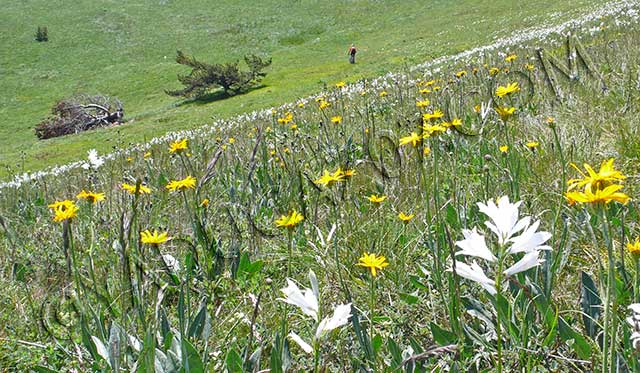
[625,12]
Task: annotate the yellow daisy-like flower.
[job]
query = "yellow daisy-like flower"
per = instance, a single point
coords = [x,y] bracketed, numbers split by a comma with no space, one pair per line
[188,182]
[413,139]
[204,203]
[606,195]
[405,218]
[494,71]
[64,210]
[91,196]
[510,58]
[426,151]
[460,74]
[328,179]
[286,119]
[131,189]
[477,109]
[154,238]
[505,112]
[147,155]
[336,119]
[289,221]
[532,145]
[634,247]
[504,149]
[341,84]
[383,94]
[423,103]
[376,199]
[430,83]
[437,114]
[348,173]
[529,66]
[502,91]
[324,104]
[429,130]
[592,179]
[424,91]
[178,147]
[373,262]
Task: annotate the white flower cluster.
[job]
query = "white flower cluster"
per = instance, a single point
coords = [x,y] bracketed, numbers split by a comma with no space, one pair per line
[625,12]
[634,321]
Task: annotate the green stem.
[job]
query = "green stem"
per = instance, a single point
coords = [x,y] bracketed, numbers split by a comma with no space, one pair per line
[499,319]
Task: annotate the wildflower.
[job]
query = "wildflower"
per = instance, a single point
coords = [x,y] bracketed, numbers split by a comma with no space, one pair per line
[131,189]
[477,109]
[91,196]
[505,112]
[154,238]
[605,195]
[286,119]
[348,173]
[375,199]
[604,177]
[300,104]
[436,88]
[634,248]
[510,58]
[231,140]
[405,218]
[429,130]
[551,121]
[383,94]
[204,203]
[494,71]
[529,66]
[306,300]
[504,218]
[422,103]
[461,74]
[324,104]
[336,119]
[532,145]
[634,321]
[430,83]
[94,160]
[64,210]
[327,179]
[426,151]
[475,273]
[504,149]
[341,84]
[502,91]
[437,114]
[178,146]
[373,262]
[147,155]
[188,182]
[294,127]
[456,122]
[413,139]
[424,91]
[289,221]
[129,159]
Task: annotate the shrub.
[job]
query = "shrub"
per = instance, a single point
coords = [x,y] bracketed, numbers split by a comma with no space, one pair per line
[205,76]
[42,34]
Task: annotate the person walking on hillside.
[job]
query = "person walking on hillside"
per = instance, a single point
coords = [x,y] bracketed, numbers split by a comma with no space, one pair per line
[352,53]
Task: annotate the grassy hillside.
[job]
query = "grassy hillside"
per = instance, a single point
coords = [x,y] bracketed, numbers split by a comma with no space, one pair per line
[127,49]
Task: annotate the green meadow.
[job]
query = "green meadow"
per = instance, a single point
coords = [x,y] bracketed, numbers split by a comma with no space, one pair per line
[127,50]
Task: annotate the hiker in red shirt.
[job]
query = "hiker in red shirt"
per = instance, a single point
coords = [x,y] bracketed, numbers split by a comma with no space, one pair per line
[352,53]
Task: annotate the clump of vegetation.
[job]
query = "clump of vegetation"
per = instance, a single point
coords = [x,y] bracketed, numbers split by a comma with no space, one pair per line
[205,77]
[42,34]
[80,113]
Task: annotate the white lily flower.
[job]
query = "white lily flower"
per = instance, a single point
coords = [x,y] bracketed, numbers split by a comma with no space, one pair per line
[528,261]
[306,300]
[530,240]
[474,244]
[340,317]
[303,345]
[504,218]
[475,273]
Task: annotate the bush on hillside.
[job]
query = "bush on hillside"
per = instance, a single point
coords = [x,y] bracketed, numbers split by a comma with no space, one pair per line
[80,113]
[42,34]
[205,77]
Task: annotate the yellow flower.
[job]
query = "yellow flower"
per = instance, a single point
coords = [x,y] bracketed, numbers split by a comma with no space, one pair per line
[231,140]
[64,210]
[504,149]
[289,221]
[424,91]
[154,238]
[294,127]
[502,91]
[529,66]
[373,262]
[178,146]
[604,177]
[550,121]
[413,139]
[426,151]
[405,218]
[634,248]
[605,195]
[336,120]
[340,84]
[91,196]
[204,203]
[383,94]
[460,74]
[129,159]
[348,173]
[301,104]
[188,182]
[132,189]
[376,199]
[423,103]
[532,145]
[430,83]
[286,119]
[505,112]
[433,116]
[324,104]
[477,109]
[429,130]
[328,179]
[456,122]
[510,58]
[147,155]
[494,71]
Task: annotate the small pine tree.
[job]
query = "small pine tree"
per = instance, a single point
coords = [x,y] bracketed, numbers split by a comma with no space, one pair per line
[42,34]
[228,76]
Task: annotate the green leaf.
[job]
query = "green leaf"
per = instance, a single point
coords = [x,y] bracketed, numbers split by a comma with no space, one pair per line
[409,298]
[376,343]
[591,305]
[441,336]
[193,360]
[42,369]
[580,344]
[197,324]
[233,362]
[396,353]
